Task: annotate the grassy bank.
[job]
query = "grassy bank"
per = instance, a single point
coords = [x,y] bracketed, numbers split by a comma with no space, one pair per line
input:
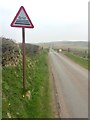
[78,60]
[35,101]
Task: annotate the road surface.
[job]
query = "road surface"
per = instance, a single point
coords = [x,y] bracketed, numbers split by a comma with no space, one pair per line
[71,82]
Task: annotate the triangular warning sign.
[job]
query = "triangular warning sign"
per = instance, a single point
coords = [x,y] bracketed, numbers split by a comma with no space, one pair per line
[22,19]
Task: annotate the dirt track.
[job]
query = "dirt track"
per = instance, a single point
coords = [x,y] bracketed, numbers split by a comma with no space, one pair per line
[71,81]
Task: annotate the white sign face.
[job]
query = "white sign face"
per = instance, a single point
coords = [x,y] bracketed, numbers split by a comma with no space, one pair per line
[22,19]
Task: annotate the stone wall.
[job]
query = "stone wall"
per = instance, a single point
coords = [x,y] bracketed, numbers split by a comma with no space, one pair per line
[10,52]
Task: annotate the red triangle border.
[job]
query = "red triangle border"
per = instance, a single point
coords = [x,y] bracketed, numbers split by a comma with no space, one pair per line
[12,24]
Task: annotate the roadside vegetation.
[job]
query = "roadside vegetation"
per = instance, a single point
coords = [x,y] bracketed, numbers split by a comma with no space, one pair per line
[35,101]
[80,58]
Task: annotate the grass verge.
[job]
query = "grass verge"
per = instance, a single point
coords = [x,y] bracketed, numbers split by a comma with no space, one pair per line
[16,103]
[84,63]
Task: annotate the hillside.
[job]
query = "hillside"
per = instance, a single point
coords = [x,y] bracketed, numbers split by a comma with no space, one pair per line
[65,44]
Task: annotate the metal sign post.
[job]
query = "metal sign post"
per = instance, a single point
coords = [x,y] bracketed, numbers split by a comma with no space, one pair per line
[23,21]
[23,60]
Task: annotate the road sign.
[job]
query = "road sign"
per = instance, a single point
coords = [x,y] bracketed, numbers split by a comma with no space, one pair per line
[22,19]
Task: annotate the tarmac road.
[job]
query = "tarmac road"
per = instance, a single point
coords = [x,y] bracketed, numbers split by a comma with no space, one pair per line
[71,82]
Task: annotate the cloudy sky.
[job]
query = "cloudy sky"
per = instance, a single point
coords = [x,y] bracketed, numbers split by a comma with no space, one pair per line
[53,20]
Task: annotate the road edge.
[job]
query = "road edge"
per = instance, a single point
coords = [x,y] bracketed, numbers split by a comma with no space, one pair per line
[55,102]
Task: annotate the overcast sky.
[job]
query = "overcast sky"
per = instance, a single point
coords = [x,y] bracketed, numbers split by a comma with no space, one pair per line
[53,20]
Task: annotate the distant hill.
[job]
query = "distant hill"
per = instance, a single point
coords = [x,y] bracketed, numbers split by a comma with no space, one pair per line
[66,44]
